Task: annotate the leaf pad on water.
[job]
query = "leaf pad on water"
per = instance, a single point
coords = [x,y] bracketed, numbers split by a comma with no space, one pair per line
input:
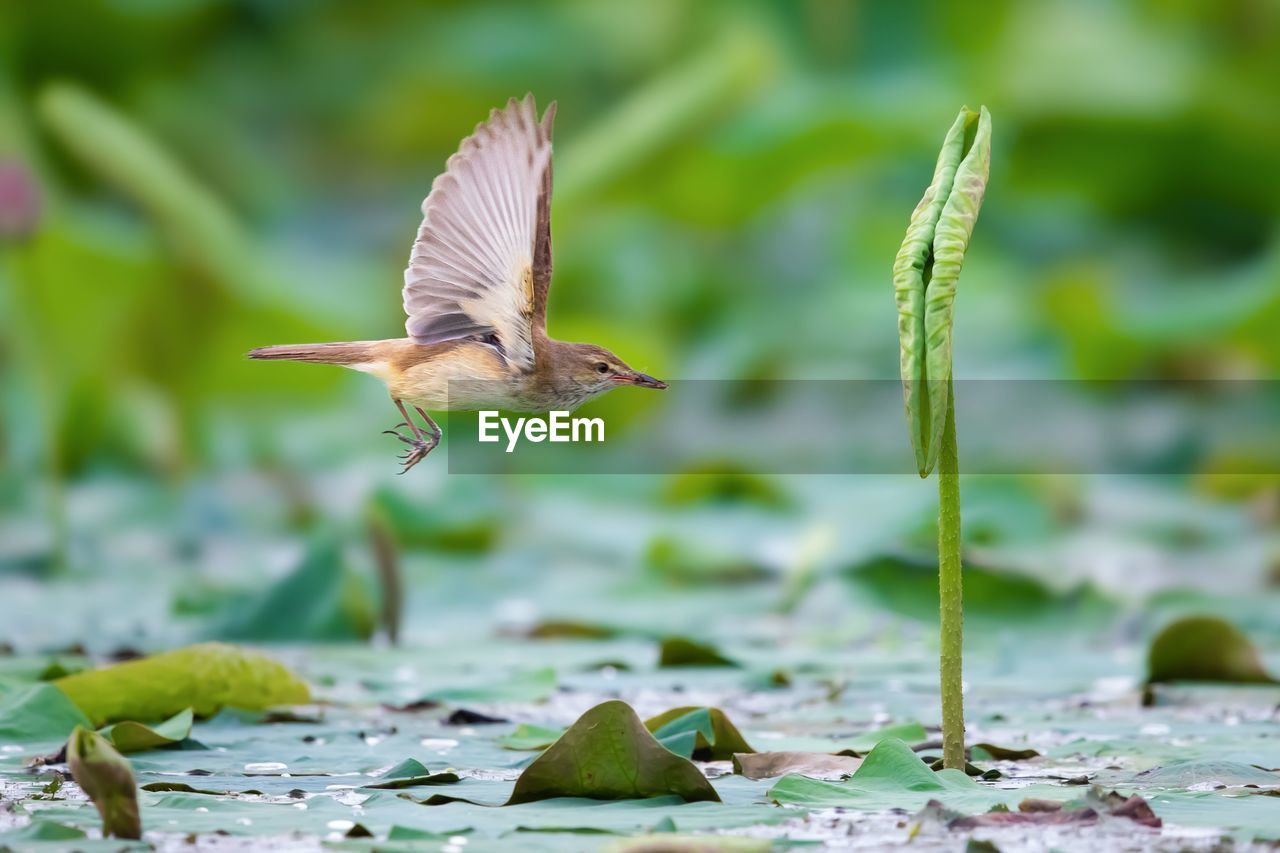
[411,773]
[608,754]
[1204,648]
[132,736]
[205,677]
[38,712]
[706,734]
[925,274]
[679,651]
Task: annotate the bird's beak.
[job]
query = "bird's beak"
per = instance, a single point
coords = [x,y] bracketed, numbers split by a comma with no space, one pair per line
[640,380]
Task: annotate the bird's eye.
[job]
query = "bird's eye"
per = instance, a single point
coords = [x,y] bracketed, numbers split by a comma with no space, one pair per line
[601,367]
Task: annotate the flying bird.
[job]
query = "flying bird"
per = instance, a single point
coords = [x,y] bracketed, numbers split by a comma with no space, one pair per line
[475,293]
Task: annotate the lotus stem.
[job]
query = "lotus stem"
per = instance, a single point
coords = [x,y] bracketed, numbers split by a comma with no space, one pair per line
[950,594]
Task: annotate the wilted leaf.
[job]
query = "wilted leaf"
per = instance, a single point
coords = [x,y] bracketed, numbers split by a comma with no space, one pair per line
[706,734]
[680,651]
[608,754]
[1204,648]
[816,765]
[1133,807]
[925,274]
[106,777]
[204,677]
[132,736]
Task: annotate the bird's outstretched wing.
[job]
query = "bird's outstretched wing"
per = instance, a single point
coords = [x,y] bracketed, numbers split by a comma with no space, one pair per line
[481,265]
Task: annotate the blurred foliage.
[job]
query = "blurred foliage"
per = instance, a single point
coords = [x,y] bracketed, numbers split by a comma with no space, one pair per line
[214,175]
[182,181]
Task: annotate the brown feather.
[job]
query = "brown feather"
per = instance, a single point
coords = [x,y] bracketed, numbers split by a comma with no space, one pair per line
[542,246]
[347,353]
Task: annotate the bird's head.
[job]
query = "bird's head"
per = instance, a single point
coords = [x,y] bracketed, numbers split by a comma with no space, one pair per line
[593,370]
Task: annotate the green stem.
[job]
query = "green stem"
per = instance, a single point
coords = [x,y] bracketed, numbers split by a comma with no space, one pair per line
[951,594]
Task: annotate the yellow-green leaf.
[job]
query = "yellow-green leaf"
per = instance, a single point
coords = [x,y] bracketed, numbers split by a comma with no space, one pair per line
[205,677]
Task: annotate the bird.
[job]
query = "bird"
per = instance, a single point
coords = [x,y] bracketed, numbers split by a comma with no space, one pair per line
[475,295]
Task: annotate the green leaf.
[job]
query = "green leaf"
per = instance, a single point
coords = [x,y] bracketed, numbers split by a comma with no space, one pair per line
[406,769]
[205,677]
[892,776]
[42,830]
[106,777]
[702,733]
[1205,648]
[608,754]
[322,599]
[132,736]
[925,274]
[909,585]
[409,774]
[38,712]
[681,651]
[446,778]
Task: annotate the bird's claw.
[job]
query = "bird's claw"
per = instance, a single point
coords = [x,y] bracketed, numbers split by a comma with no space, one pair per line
[419,452]
[406,439]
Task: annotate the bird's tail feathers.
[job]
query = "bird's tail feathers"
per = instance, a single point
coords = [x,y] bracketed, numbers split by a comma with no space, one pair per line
[350,354]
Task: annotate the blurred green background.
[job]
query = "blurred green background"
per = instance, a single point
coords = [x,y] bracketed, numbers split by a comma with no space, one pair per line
[186,180]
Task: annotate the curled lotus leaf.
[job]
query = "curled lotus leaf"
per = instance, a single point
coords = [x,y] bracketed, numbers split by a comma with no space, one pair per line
[925,274]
